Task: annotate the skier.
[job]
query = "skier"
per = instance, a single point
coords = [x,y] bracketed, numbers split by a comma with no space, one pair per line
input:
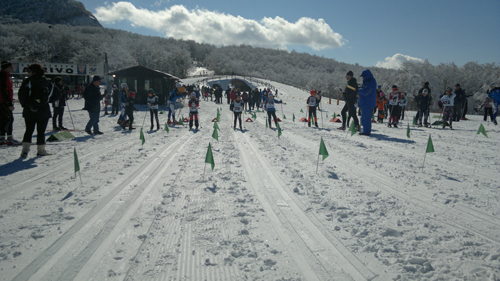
[458,103]
[228,92]
[350,94]
[448,101]
[237,108]
[174,95]
[381,101]
[488,109]
[153,108]
[394,99]
[58,105]
[129,109]
[115,107]
[193,105]
[495,95]
[424,102]
[6,105]
[312,103]
[271,109]
[122,120]
[402,106]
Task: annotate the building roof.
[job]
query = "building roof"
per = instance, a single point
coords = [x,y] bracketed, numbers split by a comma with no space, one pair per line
[142,71]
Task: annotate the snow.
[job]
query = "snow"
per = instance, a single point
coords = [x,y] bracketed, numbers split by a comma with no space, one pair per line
[146,213]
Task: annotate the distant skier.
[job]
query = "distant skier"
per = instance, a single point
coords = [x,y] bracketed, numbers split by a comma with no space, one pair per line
[271,109]
[381,101]
[193,105]
[448,101]
[129,109]
[153,101]
[394,104]
[312,104]
[172,99]
[237,108]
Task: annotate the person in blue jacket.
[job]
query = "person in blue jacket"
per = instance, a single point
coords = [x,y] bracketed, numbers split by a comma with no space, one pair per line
[367,100]
[495,95]
[174,95]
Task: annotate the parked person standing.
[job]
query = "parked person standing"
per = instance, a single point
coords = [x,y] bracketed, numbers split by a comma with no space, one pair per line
[381,101]
[495,95]
[153,101]
[270,107]
[93,97]
[129,109]
[350,94]
[107,101]
[488,108]
[172,99]
[228,92]
[35,94]
[367,100]
[6,106]
[426,86]
[58,105]
[424,102]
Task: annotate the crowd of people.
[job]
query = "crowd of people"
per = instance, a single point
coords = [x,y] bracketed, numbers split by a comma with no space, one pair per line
[37,93]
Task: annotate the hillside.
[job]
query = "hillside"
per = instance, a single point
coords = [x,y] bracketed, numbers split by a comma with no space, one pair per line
[68,12]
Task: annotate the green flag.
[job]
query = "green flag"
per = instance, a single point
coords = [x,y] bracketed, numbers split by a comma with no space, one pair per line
[267,125]
[279,130]
[373,116]
[77,164]
[166,128]
[352,129]
[215,134]
[322,149]
[209,158]
[216,126]
[301,111]
[430,146]
[414,121]
[334,115]
[408,131]
[142,137]
[482,130]
[180,122]
[312,121]
[284,117]
[293,118]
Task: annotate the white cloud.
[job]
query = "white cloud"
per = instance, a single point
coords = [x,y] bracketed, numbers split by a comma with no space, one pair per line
[396,61]
[220,29]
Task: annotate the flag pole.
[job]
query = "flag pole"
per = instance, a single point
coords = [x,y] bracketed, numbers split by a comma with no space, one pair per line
[424,162]
[204,168]
[317,165]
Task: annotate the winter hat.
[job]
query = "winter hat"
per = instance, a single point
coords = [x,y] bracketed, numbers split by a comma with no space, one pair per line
[193,95]
[177,85]
[6,64]
[151,91]
[457,85]
[379,87]
[349,73]
[114,86]
[425,91]
[493,84]
[394,87]
[426,83]
[313,92]
[96,78]
[270,95]
[124,85]
[131,94]
[448,89]
[57,79]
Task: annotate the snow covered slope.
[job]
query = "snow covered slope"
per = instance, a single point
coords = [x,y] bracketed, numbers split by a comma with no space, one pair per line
[148,212]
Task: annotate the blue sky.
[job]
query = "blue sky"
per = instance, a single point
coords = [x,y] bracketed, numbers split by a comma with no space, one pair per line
[370,33]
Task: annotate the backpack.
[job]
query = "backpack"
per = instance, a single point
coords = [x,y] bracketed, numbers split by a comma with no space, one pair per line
[37,93]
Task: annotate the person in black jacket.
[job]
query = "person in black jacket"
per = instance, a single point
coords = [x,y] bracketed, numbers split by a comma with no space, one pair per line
[419,94]
[35,94]
[93,97]
[350,96]
[459,103]
[58,105]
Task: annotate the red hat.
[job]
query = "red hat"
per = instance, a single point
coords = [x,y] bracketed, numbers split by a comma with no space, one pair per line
[131,94]
[313,92]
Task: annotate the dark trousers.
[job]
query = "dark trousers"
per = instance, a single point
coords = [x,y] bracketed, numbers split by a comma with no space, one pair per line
[155,113]
[41,125]
[130,114]
[58,116]
[6,121]
[237,116]
[93,122]
[273,115]
[193,115]
[488,111]
[349,107]
[115,108]
[457,111]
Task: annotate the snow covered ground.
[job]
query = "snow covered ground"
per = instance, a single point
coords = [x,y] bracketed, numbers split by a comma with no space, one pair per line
[144,212]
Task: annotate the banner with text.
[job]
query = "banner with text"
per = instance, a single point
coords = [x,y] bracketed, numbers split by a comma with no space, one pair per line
[61,69]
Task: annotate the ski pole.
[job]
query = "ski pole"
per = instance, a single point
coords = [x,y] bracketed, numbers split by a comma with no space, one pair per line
[71,117]
[144,119]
